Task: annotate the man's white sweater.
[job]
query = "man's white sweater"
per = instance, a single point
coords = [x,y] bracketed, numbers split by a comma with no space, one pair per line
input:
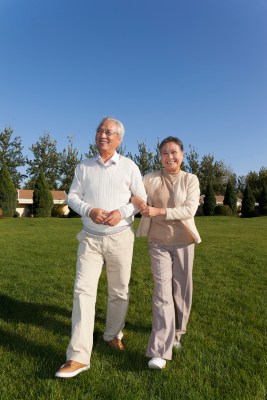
[108,186]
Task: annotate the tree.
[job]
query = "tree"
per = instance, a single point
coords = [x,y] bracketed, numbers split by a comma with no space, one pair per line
[8,195]
[157,165]
[46,160]
[256,181]
[214,172]
[230,198]
[241,184]
[121,150]
[252,180]
[209,201]
[93,150]
[144,160]
[68,160]
[208,170]
[42,198]
[263,201]
[11,155]
[192,158]
[262,177]
[248,203]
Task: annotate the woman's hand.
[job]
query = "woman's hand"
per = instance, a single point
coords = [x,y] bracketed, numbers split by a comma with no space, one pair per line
[144,209]
[152,211]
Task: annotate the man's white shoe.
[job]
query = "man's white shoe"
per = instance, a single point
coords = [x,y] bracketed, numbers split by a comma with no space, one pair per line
[177,345]
[157,363]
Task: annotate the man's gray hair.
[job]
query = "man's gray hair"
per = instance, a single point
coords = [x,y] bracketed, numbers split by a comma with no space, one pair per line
[120,126]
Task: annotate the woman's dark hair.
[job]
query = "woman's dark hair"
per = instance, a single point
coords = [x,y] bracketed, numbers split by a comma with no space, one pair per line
[172,139]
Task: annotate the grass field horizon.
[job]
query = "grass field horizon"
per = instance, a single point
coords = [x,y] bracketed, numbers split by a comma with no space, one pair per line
[224,350]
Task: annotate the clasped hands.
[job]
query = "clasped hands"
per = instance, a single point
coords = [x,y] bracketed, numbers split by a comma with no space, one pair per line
[100,216]
[112,218]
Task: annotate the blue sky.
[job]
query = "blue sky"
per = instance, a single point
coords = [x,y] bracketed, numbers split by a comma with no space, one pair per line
[196,69]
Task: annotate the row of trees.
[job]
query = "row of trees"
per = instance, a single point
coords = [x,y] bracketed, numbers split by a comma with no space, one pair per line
[230,202]
[43,202]
[58,166]
[42,197]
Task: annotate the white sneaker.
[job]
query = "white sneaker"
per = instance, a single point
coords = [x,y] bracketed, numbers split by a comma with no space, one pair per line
[157,363]
[177,345]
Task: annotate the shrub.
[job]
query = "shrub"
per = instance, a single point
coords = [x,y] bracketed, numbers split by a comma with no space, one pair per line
[230,198]
[209,201]
[42,198]
[224,210]
[8,195]
[263,210]
[58,211]
[263,201]
[73,214]
[248,203]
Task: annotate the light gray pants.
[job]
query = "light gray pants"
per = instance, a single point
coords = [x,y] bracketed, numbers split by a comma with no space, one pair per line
[171,267]
[116,251]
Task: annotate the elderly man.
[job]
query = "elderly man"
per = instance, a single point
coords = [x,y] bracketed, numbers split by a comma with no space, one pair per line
[100,193]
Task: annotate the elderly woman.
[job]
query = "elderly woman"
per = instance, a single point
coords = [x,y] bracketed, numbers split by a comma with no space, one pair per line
[168,221]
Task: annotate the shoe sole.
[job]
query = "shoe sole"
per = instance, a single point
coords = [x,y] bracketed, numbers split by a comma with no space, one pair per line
[116,348]
[177,347]
[154,366]
[71,374]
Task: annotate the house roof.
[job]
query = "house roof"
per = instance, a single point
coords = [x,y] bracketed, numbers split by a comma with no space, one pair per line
[219,199]
[26,196]
[58,195]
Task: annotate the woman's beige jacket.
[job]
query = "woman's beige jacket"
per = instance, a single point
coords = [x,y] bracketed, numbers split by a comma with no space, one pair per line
[186,199]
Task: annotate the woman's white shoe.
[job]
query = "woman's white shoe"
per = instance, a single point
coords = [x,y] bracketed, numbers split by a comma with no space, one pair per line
[157,363]
[177,345]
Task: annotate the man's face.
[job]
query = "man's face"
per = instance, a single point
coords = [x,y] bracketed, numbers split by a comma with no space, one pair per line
[107,138]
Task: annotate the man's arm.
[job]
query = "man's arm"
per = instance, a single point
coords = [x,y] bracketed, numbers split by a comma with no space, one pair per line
[138,189]
[126,211]
[80,206]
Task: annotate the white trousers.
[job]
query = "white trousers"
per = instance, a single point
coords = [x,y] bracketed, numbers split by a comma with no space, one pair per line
[116,252]
[171,267]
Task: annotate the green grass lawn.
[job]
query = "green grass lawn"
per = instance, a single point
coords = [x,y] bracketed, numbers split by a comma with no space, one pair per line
[224,350]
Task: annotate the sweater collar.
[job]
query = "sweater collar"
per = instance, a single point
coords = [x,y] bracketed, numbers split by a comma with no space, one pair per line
[113,160]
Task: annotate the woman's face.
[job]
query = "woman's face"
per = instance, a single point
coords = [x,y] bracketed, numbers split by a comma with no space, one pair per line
[171,157]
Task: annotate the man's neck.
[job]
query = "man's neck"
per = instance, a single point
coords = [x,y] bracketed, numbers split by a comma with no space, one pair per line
[105,155]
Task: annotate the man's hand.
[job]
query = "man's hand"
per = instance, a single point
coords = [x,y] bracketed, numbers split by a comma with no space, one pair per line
[98,215]
[138,203]
[112,218]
